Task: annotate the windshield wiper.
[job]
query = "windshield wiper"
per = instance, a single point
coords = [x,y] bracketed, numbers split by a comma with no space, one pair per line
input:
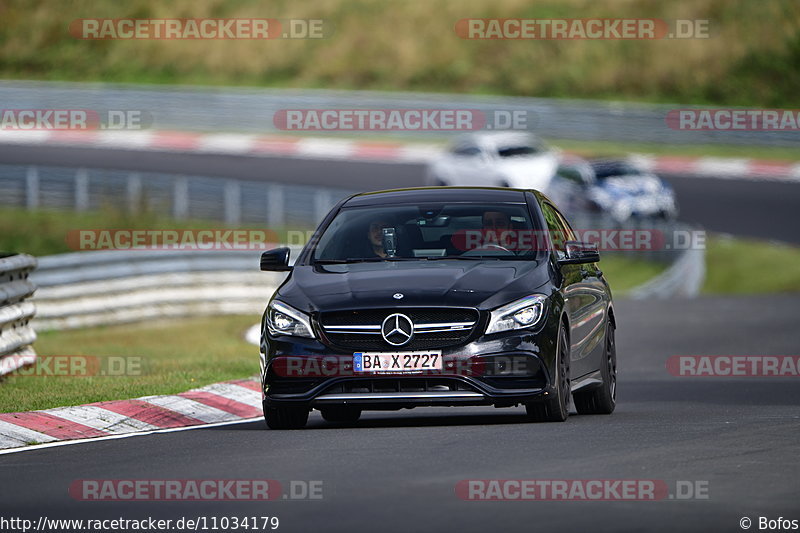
[361,260]
[463,258]
[482,258]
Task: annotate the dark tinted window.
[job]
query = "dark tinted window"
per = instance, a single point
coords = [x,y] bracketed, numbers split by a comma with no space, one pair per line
[498,231]
[558,228]
[466,150]
[608,169]
[517,151]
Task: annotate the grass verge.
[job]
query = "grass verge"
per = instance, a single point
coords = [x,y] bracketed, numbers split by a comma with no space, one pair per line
[412,45]
[45,231]
[749,266]
[173,355]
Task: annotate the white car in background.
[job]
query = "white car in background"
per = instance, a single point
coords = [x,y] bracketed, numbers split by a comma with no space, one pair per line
[496,159]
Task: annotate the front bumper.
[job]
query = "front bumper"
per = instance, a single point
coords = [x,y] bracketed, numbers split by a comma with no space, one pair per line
[501,370]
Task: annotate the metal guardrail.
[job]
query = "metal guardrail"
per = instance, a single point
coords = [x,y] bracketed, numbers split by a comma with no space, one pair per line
[684,278]
[273,205]
[111,287]
[252,110]
[16,334]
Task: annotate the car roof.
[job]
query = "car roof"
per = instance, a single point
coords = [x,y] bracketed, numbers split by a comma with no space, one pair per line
[499,139]
[418,195]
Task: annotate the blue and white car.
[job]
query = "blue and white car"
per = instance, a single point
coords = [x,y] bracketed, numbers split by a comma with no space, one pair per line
[616,187]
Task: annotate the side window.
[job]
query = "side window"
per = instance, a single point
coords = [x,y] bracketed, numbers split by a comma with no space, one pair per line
[558,229]
[466,150]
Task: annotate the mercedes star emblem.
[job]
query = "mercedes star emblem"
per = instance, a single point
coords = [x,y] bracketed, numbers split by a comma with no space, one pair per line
[397,329]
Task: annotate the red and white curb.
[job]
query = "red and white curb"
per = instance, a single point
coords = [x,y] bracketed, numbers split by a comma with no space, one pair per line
[228,401]
[229,144]
[357,150]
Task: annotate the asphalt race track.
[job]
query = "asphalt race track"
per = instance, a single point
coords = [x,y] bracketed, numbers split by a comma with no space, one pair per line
[398,471]
[762,209]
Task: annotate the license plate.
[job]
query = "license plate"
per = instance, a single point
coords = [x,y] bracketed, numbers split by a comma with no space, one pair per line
[400,362]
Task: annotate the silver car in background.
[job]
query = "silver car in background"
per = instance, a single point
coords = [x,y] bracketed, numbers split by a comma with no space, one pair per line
[616,187]
[495,159]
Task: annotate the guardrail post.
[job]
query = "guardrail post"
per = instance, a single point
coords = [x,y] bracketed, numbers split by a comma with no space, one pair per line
[32,188]
[81,190]
[275,213]
[233,205]
[133,190]
[180,198]
[16,334]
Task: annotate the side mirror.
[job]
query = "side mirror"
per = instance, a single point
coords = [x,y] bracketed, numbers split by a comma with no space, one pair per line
[276,260]
[580,252]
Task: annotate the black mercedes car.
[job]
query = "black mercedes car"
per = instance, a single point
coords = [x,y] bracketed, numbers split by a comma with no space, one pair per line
[440,296]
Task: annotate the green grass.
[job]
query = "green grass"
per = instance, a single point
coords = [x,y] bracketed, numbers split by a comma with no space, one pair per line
[45,232]
[748,266]
[175,356]
[625,273]
[749,58]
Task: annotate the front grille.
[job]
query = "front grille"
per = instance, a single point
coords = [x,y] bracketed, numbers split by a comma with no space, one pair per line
[379,385]
[438,327]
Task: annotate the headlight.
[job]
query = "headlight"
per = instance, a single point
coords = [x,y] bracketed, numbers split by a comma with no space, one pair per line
[285,320]
[522,313]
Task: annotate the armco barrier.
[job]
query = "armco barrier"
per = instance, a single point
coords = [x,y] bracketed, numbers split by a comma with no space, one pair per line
[684,278]
[109,287]
[253,110]
[86,289]
[16,333]
[259,203]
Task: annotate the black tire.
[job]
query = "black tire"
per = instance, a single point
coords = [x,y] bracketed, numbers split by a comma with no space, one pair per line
[603,399]
[556,408]
[343,414]
[285,417]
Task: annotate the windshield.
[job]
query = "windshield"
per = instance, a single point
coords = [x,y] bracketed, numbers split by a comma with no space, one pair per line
[610,170]
[455,231]
[517,151]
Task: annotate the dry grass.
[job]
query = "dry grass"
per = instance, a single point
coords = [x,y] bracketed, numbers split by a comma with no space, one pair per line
[750,58]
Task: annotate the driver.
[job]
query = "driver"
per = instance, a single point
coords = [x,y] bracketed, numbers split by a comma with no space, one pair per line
[375,236]
[496,221]
[495,224]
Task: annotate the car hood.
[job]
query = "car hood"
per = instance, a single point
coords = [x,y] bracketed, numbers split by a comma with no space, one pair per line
[480,284]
